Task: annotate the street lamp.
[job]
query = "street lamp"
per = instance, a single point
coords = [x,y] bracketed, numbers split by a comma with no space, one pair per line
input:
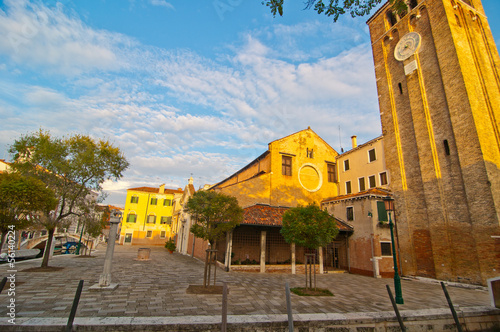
[389,207]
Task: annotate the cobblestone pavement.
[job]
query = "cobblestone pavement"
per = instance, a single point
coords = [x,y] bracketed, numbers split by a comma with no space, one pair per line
[157,287]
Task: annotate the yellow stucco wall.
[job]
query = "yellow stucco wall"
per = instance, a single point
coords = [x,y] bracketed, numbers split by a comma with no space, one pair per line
[360,167]
[138,231]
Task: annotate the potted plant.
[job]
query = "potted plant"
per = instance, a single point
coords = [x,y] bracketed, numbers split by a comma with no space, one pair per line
[170,245]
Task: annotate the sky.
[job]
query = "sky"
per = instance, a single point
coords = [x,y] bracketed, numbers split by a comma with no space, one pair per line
[185,88]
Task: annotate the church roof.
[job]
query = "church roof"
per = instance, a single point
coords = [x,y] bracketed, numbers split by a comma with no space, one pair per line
[373,192]
[157,190]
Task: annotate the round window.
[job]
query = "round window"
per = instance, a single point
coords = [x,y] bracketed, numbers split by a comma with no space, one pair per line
[310,178]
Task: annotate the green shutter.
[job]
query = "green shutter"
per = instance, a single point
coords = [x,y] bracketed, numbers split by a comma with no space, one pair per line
[382,213]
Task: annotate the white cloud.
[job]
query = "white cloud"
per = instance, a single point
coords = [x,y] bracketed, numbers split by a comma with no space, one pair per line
[162,3]
[34,34]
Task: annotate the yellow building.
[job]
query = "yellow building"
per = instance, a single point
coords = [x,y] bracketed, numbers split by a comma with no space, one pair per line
[147,218]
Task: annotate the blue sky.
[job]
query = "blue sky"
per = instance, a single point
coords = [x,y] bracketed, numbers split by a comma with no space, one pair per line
[185,88]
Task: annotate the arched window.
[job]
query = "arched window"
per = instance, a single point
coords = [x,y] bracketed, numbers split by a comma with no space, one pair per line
[391,18]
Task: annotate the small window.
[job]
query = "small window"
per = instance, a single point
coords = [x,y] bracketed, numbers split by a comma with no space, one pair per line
[132,218]
[166,220]
[331,173]
[167,202]
[154,201]
[382,212]
[446,147]
[310,153]
[149,234]
[348,189]
[400,86]
[134,199]
[386,248]
[350,213]
[371,155]
[391,18]
[383,178]
[361,182]
[151,219]
[163,234]
[372,182]
[286,165]
[413,4]
[346,165]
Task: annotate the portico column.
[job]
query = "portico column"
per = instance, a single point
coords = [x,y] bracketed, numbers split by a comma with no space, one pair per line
[263,251]
[293,257]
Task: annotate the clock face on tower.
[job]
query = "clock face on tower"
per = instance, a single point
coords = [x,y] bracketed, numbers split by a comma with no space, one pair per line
[407,46]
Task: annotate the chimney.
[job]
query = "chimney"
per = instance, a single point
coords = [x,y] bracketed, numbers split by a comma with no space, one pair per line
[162,188]
[354,141]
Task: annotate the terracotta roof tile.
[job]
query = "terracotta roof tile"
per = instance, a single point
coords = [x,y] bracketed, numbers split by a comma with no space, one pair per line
[157,190]
[369,192]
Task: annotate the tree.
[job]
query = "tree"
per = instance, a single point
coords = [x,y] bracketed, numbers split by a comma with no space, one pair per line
[22,199]
[73,167]
[214,214]
[308,227]
[335,9]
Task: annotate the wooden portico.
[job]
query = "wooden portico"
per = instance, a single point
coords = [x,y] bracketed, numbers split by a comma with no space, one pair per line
[257,245]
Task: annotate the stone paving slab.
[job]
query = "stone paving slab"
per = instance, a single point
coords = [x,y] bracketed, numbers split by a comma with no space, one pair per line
[157,288]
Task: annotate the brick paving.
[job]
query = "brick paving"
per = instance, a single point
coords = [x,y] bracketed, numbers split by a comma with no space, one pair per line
[157,288]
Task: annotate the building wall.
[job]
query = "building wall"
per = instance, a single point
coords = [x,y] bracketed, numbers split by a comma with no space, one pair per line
[441,130]
[308,181]
[360,167]
[369,233]
[142,209]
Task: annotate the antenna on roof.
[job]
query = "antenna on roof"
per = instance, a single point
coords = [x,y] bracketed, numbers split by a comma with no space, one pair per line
[340,140]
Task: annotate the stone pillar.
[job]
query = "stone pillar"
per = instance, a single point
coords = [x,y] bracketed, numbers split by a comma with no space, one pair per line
[320,251]
[263,251]
[105,278]
[293,258]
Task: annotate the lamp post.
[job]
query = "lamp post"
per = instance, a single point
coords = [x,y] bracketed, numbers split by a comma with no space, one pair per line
[389,207]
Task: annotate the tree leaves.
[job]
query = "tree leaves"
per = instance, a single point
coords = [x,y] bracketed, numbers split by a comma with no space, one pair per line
[214,214]
[336,8]
[308,227]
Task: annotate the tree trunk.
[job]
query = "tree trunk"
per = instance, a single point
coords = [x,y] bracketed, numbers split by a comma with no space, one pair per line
[2,239]
[48,245]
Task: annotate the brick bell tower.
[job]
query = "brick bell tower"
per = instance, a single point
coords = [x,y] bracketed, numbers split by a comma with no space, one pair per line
[438,79]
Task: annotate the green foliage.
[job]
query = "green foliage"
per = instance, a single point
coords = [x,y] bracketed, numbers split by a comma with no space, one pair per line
[336,8]
[311,292]
[74,168]
[170,245]
[22,199]
[309,227]
[214,214]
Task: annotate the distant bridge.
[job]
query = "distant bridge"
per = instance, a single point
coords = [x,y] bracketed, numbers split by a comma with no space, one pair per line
[32,243]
